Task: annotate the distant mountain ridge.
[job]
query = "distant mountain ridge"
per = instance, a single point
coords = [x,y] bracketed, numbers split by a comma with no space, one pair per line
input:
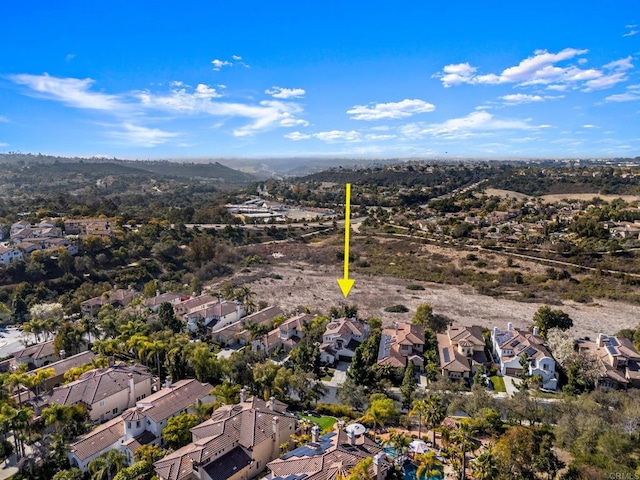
[214,171]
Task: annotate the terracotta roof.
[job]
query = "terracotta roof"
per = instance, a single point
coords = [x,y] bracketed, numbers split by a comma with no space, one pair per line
[450,358]
[98,439]
[229,464]
[331,455]
[263,316]
[162,298]
[98,384]
[244,425]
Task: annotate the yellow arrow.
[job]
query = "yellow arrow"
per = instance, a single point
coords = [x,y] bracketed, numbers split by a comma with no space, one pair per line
[346,283]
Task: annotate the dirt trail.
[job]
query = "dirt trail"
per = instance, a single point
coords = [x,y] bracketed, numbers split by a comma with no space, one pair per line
[316,287]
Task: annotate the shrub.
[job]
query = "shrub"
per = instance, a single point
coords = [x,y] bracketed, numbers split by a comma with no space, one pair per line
[336,410]
[415,287]
[396,309]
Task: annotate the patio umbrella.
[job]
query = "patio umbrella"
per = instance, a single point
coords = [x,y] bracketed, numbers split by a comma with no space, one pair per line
[418,446]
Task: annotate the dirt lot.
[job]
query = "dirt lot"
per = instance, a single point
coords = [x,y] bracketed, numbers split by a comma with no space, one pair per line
[560,196]
[315,287]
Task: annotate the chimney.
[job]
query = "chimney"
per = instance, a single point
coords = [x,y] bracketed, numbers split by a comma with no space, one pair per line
[378,467]
[277,439]
[601,337]
[395,324]
[509,326]
[495,332]
[352,437]
[315,434]
[243,395]
[62,355]
[535,331]
[167,382]
[272,404]
[132,390]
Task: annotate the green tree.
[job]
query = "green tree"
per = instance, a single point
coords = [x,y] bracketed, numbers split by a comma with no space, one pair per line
[149,453]
[428,465]
[423,316]
[227,393]
[409,384]
[168,319]
[463,438]
[70,339]
[546,318]
[381,410]
[68,474]
[435,412]
[484,467]
[176,434]
[106,466]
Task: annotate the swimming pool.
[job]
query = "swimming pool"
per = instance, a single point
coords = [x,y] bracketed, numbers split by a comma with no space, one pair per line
[409,473]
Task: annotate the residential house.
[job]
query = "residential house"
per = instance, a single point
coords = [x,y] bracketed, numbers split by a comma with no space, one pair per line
[35,356]
[236,333]
[194,303]
[511,345]
[286,336]
[341,338]
[404,342]
[139,425]
[116,297]
[88,227]
[154,303]
[618,361]
[106,392]
[218,314]
[236,443]
[10,254]
[461,351]
[330,457]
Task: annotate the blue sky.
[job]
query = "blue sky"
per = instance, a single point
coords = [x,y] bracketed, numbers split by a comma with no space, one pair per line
[134,79]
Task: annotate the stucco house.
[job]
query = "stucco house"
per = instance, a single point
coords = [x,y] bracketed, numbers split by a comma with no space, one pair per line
[618,361]
[286,336]
[236,334]
[35,356]
[218,314]
[116,297]
[330,457]
[10,254]
[461,351]
[341,338]
[236,443]
[139,425]
[106,392]
[510,345]
[400,344]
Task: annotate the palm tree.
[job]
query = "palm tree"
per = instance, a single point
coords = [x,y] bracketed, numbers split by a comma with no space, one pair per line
[14,381]
[399,441]
[55,415]
[428,465]
[435,413]
[154,349]
[227,393]
[38,378]
[463,439]
[420,409]
[484,465]
[107,466]
[89,326]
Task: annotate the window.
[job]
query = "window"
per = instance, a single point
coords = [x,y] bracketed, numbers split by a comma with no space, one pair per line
[137,423]
[102,403]
[114,411]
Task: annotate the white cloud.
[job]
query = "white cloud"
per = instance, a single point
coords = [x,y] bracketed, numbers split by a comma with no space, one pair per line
[3,144]
[71,91]
[338,136]
[69,57]
[542,69]
[477,123]
[295,136]
[236,57]
[4,119]
[518,98]
[589,126]
[176,83]
[179,101]
[631,31]
[285,93]
[205,91]
[218,64]
[136,135]
[622,64]
[391,110]
[374,136]
[629,96]
[331,136]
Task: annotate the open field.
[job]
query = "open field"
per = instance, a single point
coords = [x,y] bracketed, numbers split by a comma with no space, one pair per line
[556,197]
[304,285]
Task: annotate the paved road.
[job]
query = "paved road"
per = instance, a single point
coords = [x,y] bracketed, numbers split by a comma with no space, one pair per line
[10,341]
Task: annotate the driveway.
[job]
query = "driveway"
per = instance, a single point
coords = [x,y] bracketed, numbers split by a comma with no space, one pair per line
[339,376]
[510,384]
